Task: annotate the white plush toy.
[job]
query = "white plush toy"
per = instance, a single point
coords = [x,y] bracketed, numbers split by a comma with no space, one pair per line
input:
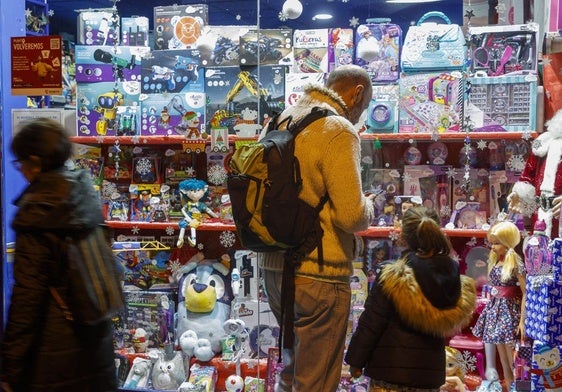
[538,192]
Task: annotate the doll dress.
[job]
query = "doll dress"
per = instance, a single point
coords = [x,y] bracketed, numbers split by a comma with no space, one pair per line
[499,321]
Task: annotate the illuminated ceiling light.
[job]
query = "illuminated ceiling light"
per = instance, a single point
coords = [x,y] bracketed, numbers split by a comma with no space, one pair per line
[322,17]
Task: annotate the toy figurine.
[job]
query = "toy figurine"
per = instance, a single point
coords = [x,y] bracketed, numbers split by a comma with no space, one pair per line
[540,183]
[453,371]
[196,192]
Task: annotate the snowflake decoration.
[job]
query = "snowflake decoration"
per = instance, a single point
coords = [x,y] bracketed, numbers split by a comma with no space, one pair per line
[170,230]
[546,62]
[435,136]
[407,177]
[144,166]
[344,1]
[238,17]
[353,22]
[216,174]
[190,172]
[482,145]
[451,172]
[283,16]
[527,135]
[200,246]
[516,163]
[99,139]
[393,235]
[174,266]
[227,239]
[28,13]
[135,139]
[51,12]
[456,257]
[135,230]
[472,242]
[467,361]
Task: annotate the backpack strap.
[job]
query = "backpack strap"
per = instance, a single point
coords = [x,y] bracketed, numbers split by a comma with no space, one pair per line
[315,114]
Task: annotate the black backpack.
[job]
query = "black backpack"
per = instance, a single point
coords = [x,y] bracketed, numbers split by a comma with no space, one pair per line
[264,186]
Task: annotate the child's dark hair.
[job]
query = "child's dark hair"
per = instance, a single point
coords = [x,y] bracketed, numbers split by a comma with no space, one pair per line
[421,229]
[43,138]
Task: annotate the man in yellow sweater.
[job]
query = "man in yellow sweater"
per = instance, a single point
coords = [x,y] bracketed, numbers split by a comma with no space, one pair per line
[328,151]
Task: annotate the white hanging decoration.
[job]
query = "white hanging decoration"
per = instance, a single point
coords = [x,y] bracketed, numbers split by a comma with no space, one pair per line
[292,9]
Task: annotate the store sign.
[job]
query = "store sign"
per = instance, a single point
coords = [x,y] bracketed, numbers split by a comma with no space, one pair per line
[36,65]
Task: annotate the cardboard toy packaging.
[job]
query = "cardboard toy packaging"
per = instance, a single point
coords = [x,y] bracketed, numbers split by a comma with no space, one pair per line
[431,102]
[179,26]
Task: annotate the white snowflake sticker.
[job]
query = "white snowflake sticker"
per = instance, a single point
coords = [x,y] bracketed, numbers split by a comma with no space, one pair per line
[227,239]
[170,230]
[516,163]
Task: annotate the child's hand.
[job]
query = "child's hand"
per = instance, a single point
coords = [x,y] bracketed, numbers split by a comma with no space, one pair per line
[355,372]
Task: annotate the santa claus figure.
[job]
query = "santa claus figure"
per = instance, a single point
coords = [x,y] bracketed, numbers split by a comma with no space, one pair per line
[538,193]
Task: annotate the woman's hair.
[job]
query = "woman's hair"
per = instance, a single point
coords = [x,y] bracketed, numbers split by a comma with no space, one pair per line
[421,229]
[507,234]
[43,138]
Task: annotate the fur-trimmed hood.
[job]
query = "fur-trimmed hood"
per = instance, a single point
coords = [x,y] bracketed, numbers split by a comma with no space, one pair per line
[400,281]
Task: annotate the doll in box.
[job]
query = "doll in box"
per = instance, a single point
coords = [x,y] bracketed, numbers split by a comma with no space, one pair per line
[540,184]
[196,192]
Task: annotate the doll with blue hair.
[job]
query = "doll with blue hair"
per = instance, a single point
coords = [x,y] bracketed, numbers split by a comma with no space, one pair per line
[193,194]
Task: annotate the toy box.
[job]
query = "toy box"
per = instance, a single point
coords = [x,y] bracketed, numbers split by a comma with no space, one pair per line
[108,108]
[179,26]
[247,264]
[134,31]
[165,71]
[431,102]
[378,50]
[275,47]
[177,114]
[261,327]
[249,368]
[310,51]
[140,197]
[385,184]
[500,183]
[546,367]
[432,183]
[382,114]
[341,47]
[502,50]
[295,83]
[507,103]
[108,63]
[153,311]
[220,45]
[474,189]
[432,46]
[233,101]
[97,27]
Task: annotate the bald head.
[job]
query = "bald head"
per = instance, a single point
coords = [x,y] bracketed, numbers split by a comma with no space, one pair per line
[353,84]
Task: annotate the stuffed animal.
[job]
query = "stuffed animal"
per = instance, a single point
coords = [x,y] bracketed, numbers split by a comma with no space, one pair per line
[540,184]
[203,306]
[547,359]
[454,380]
[168,372]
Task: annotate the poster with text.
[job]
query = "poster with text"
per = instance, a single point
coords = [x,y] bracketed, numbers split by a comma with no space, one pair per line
[36,65]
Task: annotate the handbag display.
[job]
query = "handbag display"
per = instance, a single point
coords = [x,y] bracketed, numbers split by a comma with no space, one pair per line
[432,46]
